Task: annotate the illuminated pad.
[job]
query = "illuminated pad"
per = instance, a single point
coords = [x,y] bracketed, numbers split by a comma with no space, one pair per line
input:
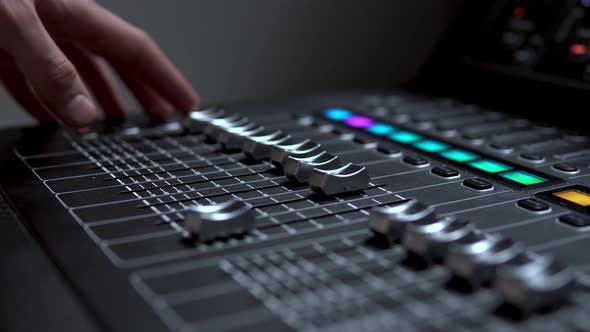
[405,137]
[337,114]
[490,166]
[460,156]
[431,146]
[381,129]
[359,121]
[574,196]
[524,178]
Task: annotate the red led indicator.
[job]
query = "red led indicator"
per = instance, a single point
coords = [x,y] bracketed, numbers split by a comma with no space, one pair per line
[519,12]
[579,49]
[84,130]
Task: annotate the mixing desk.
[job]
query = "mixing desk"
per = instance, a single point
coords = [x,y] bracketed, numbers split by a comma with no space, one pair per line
[339,213]
[446,205]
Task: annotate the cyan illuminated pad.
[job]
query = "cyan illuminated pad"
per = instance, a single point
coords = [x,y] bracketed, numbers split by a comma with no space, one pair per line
[490,166]
[513,175]
[459,156]
[431,146]
[524,178]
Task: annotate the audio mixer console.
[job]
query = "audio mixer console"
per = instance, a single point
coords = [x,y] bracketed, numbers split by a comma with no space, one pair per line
[425,208]
[392,215]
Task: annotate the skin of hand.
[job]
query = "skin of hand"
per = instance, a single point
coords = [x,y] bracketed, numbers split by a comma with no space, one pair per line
[54,53]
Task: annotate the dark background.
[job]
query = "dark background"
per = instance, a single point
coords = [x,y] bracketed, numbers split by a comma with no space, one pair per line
[236,50]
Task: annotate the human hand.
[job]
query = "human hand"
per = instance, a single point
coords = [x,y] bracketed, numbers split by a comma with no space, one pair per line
[47,48]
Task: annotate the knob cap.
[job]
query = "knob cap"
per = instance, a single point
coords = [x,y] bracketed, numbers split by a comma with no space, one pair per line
[208,222]
[281,152]
[259,146]
[391,221]
[532,282]
[300,169]
[345,179]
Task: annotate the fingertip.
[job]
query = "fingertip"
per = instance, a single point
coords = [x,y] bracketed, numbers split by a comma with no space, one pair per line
[80,111]
[192,103]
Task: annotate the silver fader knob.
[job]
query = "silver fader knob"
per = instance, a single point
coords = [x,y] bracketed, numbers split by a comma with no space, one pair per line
[219,125]
[392,220]
[305,148]
[233,138]
[532,282]
[431,241]
[345,179]
[259,146]
[196,121]
[300,169]
[208,222]
[476,257]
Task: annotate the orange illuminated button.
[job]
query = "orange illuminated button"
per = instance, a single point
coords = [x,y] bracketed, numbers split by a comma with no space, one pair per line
[575,196]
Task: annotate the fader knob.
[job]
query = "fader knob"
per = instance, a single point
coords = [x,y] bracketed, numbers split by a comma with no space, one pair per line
[300,169]
[306,148]
[431,241]
[259,146]
[196,121]
[476,257]
[391,221]
[345,179]
[216,126]
[532,282]
[208,222]
[233,138]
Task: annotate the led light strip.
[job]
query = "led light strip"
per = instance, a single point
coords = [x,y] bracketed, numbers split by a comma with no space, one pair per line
[507,173]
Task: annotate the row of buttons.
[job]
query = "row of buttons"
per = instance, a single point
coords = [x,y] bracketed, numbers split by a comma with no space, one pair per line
[504,172]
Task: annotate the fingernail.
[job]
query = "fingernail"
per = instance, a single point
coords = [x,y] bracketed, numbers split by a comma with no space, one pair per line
[80,110]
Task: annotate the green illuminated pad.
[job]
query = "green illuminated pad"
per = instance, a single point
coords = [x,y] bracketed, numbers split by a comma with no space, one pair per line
[460,156]
[489,166]
[431,146]
[524,178]
[405,137]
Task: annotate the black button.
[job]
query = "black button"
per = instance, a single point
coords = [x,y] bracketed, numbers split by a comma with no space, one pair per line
[478,184]
[533,205]
[531,156]
[575,220]
[416,160]
[566,168]
[445,171]
[364,140]
[342,132]
[388,150]
[472,137]
[500,146]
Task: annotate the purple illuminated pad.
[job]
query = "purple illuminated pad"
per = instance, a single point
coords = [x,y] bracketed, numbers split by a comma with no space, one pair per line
[358,121]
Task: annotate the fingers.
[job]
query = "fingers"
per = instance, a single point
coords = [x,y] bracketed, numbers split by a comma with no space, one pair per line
[49,72]
[98,79]
[19,89]
[152,103]
[120,43]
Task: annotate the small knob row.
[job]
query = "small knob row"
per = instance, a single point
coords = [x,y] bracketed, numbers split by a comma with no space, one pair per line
[303,161]
[523,279]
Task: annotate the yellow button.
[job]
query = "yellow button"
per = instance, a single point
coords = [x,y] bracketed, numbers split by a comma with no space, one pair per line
[575,196]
